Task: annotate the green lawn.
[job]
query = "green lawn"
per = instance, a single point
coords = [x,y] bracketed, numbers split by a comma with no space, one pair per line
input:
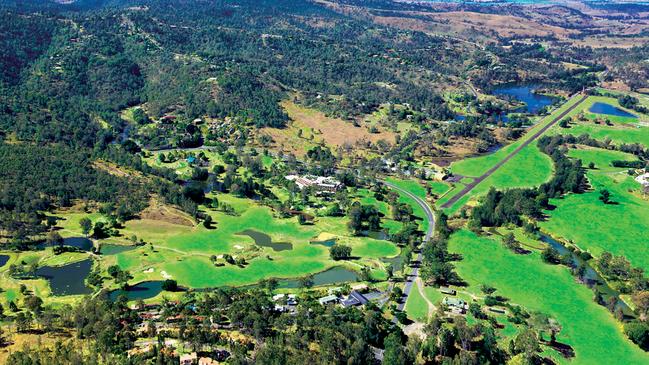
[416,306]
[621,228]
[592,331]
[416,189]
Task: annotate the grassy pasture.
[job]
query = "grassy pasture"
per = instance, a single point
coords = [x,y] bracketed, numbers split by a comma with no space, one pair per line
[620,228]
[590,329]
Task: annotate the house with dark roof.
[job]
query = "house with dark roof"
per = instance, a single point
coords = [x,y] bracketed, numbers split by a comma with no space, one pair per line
[355,298]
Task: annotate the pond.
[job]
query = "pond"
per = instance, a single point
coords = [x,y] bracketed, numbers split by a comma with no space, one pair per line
[3,260]
[326,243]
[264,240]
[68,279]
[608,109]
[591,277]
[81,243]
[143,290]
[335,275]
[524,93]
[112,249]
[396,262]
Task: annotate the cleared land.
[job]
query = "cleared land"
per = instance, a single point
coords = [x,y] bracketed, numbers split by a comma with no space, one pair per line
[590,329]
[309,127]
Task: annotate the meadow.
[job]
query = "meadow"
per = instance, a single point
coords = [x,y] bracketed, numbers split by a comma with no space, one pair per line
[589,328]
[619,227]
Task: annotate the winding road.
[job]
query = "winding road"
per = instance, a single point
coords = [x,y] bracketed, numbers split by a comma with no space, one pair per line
[449,203]
[430,216]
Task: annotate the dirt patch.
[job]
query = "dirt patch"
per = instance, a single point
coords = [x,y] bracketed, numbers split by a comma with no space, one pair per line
[310,127]
[114,169]
[162,212]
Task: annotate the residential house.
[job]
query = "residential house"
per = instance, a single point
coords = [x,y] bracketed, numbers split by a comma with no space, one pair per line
[329,299]
[355,298]
[456,305]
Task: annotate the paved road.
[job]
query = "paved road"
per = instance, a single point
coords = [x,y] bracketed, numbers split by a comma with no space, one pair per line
[531,139]
[430,217]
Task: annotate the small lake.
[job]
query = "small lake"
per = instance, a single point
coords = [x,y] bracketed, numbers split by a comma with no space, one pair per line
[3,260]
[143,290]
[264,240]
[335,275]
[326,243]
[81,243]
[68,279]
[526,94]
[608,109]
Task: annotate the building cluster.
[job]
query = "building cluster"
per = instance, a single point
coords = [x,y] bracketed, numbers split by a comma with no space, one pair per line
[152,315]
[354,299]
[318,183]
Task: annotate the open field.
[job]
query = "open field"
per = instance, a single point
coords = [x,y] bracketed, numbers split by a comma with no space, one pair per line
[622,130]
[310,127]
[416,189]
[621,227]
[590,329]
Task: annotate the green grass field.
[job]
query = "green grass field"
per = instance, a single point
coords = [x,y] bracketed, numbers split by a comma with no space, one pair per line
[181,251]
[621,228]
[589,328]
[416,306]
[416,189]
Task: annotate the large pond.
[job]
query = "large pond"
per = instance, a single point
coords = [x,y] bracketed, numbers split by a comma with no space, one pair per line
[81,243]
[143,290]
[335,275]
[68,279]
[264,240]
[3,260]
[525,93]
[608,109]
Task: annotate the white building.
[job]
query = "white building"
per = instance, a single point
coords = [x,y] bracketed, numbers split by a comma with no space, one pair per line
[320,183]
[643,179]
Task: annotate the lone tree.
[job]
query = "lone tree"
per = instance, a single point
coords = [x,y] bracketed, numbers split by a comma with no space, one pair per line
[605,196]
[169,285]
[54,238]
[340,252]
[86,226]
